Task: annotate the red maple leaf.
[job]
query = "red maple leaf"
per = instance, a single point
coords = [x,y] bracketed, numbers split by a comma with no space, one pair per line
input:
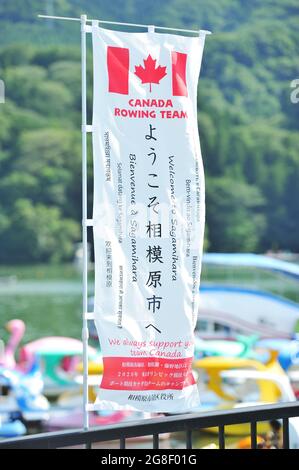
[150,73]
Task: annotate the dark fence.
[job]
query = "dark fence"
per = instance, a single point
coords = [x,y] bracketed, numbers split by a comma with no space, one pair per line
[187,423]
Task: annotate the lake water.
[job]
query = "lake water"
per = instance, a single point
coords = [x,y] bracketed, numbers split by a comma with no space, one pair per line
[49,297]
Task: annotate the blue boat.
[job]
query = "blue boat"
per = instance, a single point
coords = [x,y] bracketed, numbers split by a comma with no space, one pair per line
[288,350]
[12,428]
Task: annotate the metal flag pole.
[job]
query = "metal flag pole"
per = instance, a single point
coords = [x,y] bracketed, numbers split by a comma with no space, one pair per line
[85,221]
[84,225]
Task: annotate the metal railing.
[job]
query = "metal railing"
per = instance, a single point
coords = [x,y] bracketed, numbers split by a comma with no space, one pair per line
[187,423]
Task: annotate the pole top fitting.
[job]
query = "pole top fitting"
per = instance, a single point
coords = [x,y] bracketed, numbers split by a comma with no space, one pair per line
[204,33]
[83,19]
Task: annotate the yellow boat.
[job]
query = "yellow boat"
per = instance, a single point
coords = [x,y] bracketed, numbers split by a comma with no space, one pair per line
[94,368]
[238,382]
[95,371]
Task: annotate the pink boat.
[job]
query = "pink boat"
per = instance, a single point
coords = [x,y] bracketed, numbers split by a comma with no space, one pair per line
[66,419]
[16,328]
[58,355]
[73,420]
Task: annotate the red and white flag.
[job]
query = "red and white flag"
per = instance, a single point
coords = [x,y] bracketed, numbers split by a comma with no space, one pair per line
[118,62]
[148,217]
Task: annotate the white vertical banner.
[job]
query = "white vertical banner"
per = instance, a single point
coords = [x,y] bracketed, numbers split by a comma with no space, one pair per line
[148,216]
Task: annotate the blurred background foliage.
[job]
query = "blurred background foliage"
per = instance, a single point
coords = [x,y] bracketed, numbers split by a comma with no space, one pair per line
[248,125]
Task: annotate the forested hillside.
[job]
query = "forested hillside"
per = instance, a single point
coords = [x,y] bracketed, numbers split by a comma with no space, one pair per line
[248,124]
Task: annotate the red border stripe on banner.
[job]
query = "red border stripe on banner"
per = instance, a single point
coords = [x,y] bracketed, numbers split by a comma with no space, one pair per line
[148,373]
[118,69]
[179,85]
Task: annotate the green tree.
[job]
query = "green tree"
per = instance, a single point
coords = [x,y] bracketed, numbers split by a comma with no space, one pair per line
[45,234]
[232,217]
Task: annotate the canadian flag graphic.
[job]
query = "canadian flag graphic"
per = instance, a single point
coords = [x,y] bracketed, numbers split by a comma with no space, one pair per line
[118,65]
